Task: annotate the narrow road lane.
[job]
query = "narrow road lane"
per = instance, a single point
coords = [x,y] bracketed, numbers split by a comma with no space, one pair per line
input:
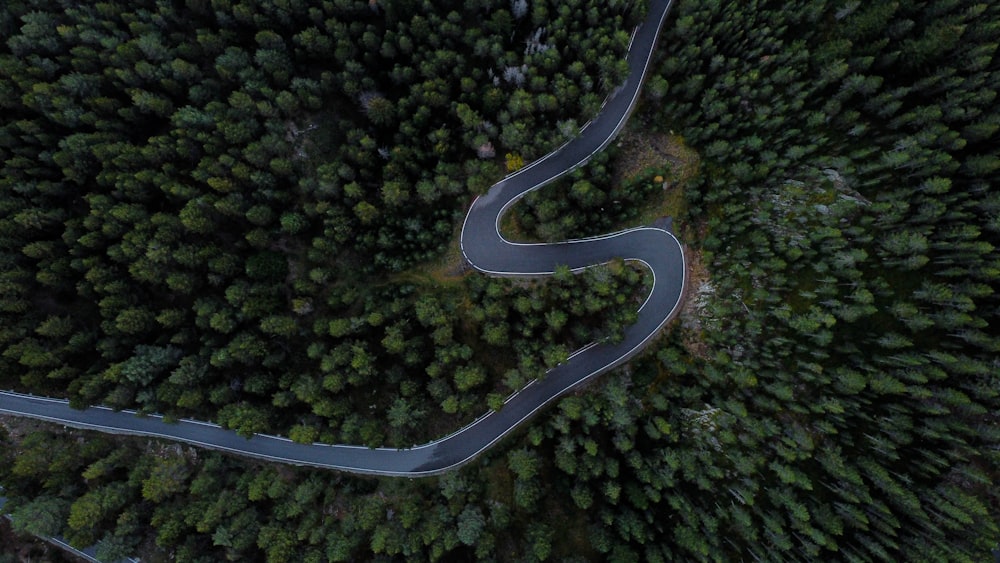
[489,252]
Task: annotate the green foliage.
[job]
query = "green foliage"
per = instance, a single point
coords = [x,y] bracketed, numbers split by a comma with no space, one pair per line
[470,525]
[43,516]
[587,202]
[148,363]
[836,368]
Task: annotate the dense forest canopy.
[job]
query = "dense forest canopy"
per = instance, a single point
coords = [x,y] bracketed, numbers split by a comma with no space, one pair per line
[215,208]
[204,203]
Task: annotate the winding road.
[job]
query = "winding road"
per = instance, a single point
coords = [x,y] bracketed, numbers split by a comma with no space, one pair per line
[487,251]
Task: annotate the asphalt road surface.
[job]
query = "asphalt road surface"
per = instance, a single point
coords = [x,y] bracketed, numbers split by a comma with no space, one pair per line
[489,252]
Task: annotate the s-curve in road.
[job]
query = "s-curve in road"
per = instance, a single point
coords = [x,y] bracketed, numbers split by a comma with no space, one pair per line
[489,252]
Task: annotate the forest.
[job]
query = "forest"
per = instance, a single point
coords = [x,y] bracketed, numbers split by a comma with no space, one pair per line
[223,220]
[239,212]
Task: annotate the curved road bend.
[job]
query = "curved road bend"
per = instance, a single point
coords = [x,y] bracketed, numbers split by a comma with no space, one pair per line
[489,252]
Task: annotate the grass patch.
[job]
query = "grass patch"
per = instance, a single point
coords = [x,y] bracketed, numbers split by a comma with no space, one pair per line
[642,150]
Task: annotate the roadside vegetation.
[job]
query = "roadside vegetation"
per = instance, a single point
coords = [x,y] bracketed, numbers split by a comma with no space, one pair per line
[226,211]
[635,181]
[15,548]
